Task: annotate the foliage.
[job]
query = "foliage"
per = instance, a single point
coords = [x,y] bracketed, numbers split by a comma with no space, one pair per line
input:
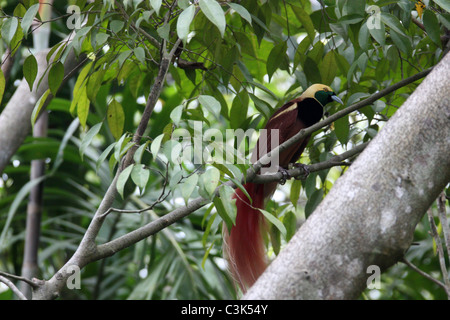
[238,62]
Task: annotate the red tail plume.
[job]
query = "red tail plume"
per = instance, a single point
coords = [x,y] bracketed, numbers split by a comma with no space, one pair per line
[244,246]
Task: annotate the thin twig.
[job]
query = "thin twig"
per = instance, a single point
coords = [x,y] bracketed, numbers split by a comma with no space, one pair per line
[12,276]
[13,288]
[424,274]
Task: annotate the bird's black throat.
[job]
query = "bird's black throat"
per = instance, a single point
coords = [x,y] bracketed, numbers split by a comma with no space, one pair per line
[310,111]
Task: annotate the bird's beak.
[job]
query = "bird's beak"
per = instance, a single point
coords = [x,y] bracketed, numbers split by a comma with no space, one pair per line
[337,99]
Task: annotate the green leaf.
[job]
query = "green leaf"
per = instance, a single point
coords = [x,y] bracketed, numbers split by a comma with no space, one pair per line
[123,178]
[78,86]
[276,57]
[378,32]
[116,118]
[9,29]
[241,11]
[225,205]
[328,68]
[87,139]
[140,152]
[139,52]
[295,192]
[184,22]
[239,108]
[175,114]
[363,37]
[211,104]
[350,19]
[156,5]
[140,175]
[290,223]
[38,106]
[393,23]
[342,129]
[313,202]
[94,83]
[28,18]
[103,156]
[272,219]
[188,186]
[445,4]
[30,69]
[401,41]
[312,71]
[83,107]
[55,77]
[432,27]
[156,145]
[210,180]
[213,11]
[306,21]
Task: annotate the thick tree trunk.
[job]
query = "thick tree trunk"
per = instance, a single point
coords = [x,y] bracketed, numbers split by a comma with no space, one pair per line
[369,216]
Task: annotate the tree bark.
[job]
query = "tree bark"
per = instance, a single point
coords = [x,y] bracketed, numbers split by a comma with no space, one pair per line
[369,216]
[15,120]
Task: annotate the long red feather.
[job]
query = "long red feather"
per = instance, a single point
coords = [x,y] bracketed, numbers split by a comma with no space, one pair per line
[244,244]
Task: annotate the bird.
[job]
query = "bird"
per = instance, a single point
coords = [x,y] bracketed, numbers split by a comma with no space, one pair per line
[243,245]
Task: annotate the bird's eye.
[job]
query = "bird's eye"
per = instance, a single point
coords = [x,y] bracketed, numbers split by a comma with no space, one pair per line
[325,89]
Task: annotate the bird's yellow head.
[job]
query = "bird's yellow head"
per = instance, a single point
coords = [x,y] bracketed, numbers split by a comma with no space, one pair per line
[322,93]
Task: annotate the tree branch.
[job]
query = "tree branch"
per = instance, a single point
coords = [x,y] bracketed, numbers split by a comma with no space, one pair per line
[13,288]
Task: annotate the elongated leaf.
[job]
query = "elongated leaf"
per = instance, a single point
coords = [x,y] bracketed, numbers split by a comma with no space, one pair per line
[38,106]
[342,129]
[55,77]
[176,113]
[402,42]
[328,68]
[445,4]
[241,11]
[188,186]
[211,104]
[87,139]
[30,69]
[139,52]
[123,178]
[83,107]
[140,152]
[103,156]
[239,108]
[140,175]
[432,27]
[276,57]
[306,21]
[116,118]
[79,84]
[377,31]
[9,29]
[213,11]
[225,206]
[272,219]
[28,18]
[156,5]
[184,22]
[156,145]
[393,23]
[211,179]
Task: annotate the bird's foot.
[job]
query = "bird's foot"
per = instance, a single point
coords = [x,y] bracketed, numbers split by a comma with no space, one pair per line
[305,169]
[285,175]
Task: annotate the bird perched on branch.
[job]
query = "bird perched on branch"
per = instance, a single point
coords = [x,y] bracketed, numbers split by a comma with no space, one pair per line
[243,244]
